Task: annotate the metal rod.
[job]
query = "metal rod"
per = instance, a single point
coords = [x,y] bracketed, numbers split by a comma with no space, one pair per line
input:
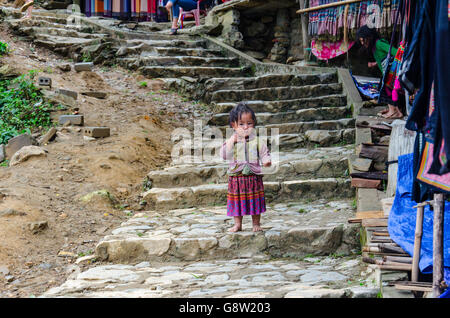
[438,269]
[328,5]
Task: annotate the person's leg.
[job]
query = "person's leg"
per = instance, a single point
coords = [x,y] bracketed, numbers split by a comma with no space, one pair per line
[237,224]
[256,220]
[393,112]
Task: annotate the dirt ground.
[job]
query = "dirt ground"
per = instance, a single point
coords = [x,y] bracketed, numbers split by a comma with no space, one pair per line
[49,188]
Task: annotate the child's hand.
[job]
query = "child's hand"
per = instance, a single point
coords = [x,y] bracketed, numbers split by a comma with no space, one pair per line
[372,64]
[267,164]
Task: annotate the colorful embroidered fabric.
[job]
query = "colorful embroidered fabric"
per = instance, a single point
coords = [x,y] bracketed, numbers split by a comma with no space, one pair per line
[392,76]
[439,181]
[328,50]
[330,21]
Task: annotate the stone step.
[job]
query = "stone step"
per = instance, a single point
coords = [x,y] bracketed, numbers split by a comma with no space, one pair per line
[215,194]
[286,105]
[285,171]
[49,31]
[193,71]
[302,126]
[269,80]
[275,93]
[58,42]
[249,278]
[175,51]
[325,113]
[18,24]
[172,43]
[136,62]
[293,229]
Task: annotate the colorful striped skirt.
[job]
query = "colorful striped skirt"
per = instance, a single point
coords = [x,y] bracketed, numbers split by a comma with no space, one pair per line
[245,195]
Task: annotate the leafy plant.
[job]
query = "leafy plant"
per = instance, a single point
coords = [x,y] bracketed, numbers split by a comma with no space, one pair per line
[4,49]
[21,107]
[143,84]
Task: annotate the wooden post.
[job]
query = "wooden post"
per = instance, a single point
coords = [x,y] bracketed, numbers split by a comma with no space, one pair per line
[328,5]
[418,241]
[304,23]
[438,224]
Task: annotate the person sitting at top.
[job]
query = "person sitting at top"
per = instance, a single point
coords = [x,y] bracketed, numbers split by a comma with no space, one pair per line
[186,5]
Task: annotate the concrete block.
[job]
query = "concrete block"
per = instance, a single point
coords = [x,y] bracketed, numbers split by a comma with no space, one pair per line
[67,92]
[97,132]
[369,199]
[16,143]
[45,81]
[73,119]
[84,67]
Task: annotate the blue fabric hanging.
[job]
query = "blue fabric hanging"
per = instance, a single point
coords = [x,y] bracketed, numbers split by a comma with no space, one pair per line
[402,222]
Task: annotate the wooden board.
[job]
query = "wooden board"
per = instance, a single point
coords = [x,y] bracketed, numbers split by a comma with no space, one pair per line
[374,222]
[414,286]
[365,183]
[359,216]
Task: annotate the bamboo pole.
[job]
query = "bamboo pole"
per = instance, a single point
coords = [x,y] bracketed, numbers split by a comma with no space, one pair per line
[398,259]
[417,241]
[438,269]
[304,23]
[328,5]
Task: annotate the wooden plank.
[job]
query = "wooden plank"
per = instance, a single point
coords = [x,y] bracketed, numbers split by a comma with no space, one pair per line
[374,152]
[438,259]
[375,175]
[374,222]
[381,233]
[414,286]
[328,5]
[402,267]
[398,259]
[359,216]
[365,183]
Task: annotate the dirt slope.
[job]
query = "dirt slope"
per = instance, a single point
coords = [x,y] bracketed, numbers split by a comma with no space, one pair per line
[49,188]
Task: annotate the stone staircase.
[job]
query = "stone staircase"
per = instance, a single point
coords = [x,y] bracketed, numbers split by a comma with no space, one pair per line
[183,230]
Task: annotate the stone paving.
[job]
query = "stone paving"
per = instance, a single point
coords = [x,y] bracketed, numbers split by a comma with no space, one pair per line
[255,277]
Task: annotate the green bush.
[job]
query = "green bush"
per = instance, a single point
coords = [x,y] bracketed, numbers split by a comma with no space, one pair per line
[22,108]
[3,48]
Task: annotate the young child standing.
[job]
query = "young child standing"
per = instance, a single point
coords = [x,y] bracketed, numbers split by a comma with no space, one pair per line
[244,153]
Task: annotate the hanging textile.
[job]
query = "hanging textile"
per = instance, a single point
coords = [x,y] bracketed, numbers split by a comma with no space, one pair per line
[327,50]
[107,8]
[88,10]
[121,9]
[327,24]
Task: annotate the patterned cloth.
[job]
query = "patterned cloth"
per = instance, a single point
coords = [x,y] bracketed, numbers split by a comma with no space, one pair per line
[441,182]
[245,196]
[327,50]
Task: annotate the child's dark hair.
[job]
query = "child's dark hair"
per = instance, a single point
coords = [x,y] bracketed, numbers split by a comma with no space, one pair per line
[238,110]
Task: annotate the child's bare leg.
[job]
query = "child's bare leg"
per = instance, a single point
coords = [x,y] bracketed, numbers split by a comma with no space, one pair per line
[237,224]
[256,220]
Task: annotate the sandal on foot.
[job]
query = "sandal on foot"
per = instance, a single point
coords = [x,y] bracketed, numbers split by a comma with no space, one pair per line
[173,31]
[26,6]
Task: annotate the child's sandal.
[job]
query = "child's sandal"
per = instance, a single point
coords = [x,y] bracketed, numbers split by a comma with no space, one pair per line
[173,31]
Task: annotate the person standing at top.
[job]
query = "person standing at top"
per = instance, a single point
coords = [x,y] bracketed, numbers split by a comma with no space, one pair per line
[379,49]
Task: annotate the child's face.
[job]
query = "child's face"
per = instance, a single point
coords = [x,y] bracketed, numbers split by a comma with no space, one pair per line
[245,125]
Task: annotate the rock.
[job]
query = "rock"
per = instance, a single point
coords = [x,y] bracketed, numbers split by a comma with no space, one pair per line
[36,227]
[25,153]
[67,92]
[4,270]
[99,95]
[85,259]
[51,133]
[67,254]
[255,54]
[102,197]
[362,164]
[323,137]
[9,278]
[84,67]
[65,67]
[2,152]
[9,212]
[16,143]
